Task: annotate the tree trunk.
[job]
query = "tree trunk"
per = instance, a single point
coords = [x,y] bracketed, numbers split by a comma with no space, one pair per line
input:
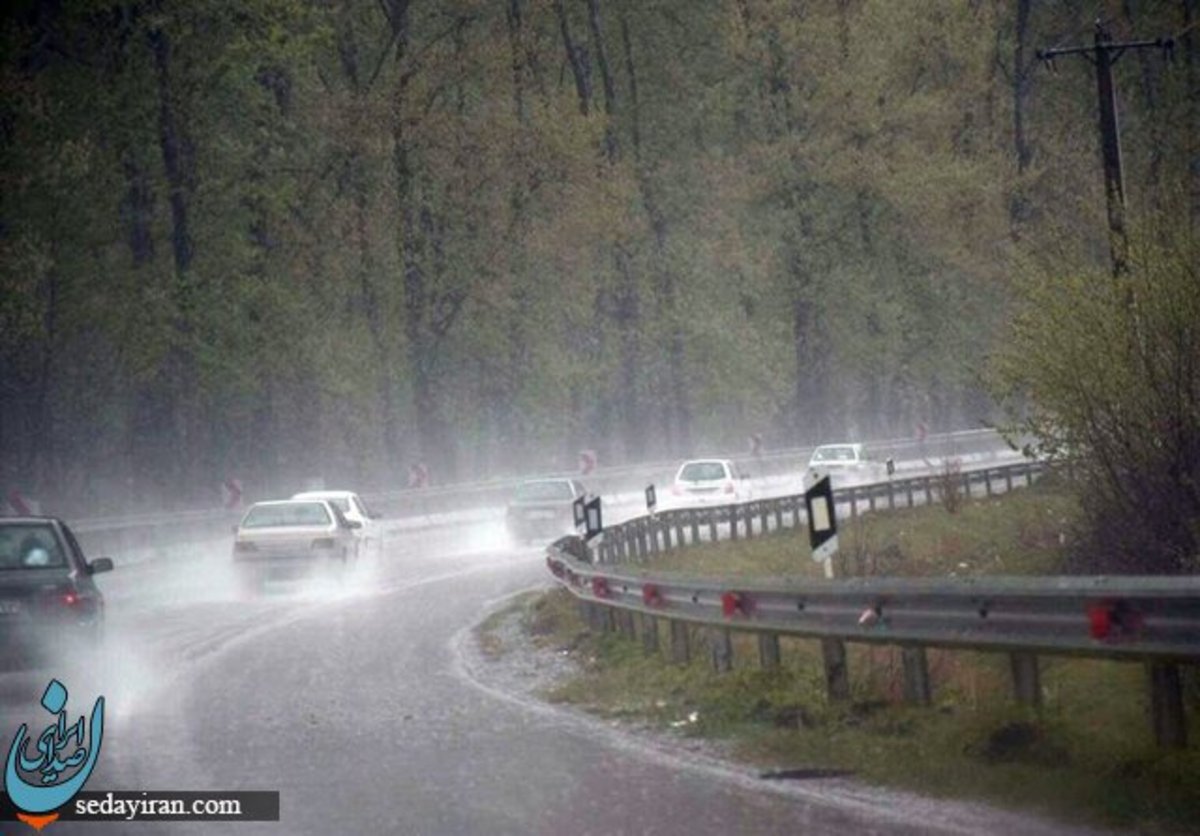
[577,58]
[677,408]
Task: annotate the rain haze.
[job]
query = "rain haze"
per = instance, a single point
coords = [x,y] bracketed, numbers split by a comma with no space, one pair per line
[600,416]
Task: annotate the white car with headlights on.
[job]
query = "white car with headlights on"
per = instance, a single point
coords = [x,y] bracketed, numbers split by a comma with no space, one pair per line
[293,538]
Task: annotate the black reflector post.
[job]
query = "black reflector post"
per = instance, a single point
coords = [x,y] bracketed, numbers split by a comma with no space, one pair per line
[593,521]
[822,523]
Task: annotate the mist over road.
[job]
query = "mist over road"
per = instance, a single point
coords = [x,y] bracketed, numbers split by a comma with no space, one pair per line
[350,702]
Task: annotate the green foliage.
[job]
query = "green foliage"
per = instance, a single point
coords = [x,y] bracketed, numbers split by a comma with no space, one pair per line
[286,239]
[1105,371]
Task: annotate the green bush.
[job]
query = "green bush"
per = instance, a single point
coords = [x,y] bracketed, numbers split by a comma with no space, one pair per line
[1106,371]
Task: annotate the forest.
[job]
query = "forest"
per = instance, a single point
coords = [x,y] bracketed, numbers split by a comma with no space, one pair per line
[284,238]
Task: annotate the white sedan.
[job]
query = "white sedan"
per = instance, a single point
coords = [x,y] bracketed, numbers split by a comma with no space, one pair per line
[355,510]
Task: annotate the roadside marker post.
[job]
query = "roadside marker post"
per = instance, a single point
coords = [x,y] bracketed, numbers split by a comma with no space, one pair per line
[822,536]
[651,500]
[595,525]
[231,493]
[822,523]
[580,515]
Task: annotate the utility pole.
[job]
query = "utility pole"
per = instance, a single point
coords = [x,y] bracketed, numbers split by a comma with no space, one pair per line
[1103,54]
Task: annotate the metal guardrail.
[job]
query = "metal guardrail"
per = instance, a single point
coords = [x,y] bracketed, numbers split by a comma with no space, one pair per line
[647,535]
[1155,620]
[1116,617]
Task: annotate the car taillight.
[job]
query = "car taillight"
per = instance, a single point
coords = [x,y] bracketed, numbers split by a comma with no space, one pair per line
[729,487]
[323,543]
[244,547]
[70,599]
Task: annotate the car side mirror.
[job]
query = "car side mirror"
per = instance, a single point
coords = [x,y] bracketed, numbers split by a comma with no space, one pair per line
[100,564]
[353,524]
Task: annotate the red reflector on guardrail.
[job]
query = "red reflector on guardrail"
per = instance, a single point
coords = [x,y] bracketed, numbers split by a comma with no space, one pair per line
[1100,620]
[733,603]
[652,595]
[600,587]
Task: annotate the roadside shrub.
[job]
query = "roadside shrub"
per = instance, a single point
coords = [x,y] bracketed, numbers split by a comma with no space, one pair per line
[950,486]
[1107,371]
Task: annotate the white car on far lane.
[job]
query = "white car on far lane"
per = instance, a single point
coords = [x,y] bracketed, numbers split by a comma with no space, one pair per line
[702,482]
[355,510]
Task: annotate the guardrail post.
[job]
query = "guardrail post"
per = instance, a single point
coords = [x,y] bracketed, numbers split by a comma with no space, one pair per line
[987,482]
[598,618]
[666,533]
[1008,480]
[733,522]
[853,503]
[891,496]
[763,510]
[837,677]
[928,490]
[871,498]
[1027,680]
[778,503]
[681,651]
[768,650]
[625,627]
[908,489]
[679,530]
[796,503]
[649,634]
[720,643]
[694,516]
[1166,705]
[712,526]
[916,676]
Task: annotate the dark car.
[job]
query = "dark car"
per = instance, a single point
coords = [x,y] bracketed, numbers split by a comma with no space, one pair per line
[48,598]
[542,508]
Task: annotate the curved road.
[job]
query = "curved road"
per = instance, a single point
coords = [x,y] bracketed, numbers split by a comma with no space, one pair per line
[353,704]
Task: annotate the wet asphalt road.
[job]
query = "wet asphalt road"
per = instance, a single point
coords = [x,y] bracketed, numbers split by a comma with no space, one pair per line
[354,705]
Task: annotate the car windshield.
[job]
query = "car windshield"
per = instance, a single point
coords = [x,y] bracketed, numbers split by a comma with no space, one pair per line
[539,491]
[843,453]
[30,546]
[702,472]
[286,514]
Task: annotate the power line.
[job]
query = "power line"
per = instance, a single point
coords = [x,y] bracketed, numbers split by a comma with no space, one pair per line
[1103,54]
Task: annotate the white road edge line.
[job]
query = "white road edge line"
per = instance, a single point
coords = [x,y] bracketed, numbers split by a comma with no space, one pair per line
[974,817]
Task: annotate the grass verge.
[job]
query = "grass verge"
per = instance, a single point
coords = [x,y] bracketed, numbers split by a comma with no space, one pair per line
[1088,754]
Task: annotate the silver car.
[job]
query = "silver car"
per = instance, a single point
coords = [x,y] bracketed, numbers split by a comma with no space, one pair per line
[293,538]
